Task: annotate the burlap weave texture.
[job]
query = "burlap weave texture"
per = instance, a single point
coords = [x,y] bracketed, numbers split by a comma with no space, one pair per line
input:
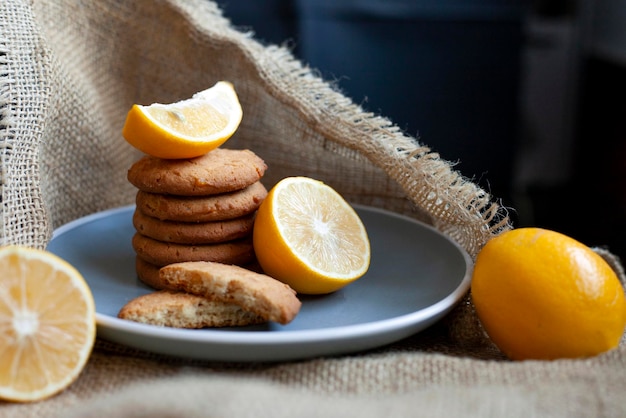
[70,70]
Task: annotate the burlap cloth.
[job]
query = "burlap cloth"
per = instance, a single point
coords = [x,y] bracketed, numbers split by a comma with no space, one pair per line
[70,70]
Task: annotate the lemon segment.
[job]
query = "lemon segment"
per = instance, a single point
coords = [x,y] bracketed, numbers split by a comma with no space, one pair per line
[188,128]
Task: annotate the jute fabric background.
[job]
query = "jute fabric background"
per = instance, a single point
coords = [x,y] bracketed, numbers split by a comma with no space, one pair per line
[70,70]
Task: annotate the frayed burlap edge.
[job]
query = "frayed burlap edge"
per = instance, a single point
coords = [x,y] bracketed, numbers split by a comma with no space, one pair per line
[455,205]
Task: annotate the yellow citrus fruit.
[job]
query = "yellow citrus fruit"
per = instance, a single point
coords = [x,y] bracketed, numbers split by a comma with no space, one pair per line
[47,324]
[308,236]
[543,295]
[188,128]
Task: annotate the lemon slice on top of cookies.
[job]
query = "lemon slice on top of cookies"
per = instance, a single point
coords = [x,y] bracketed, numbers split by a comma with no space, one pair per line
[188,128]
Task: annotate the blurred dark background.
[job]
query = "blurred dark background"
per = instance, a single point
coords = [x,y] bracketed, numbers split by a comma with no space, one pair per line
[528,98]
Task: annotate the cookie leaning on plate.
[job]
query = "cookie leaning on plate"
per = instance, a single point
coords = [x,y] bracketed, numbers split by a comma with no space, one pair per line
[253,292]
[149,273]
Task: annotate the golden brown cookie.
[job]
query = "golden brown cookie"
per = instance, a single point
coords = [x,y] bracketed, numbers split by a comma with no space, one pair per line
[182,310]
[202,208]
[162,253]
[253,292]
[219,171]
[193,232]
[149,274]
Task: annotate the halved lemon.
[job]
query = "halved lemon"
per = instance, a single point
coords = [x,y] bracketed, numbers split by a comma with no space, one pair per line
[47,324]
[308,236]
[188,128]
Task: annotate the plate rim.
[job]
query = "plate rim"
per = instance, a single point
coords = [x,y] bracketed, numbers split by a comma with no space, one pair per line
[413,322]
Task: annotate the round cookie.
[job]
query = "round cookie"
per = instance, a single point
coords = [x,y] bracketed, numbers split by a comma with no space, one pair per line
[193,232]
[219,171]
[162,253]
[202,208]
[253,292]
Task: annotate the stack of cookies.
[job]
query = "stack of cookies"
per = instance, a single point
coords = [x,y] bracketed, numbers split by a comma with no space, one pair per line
[199,209]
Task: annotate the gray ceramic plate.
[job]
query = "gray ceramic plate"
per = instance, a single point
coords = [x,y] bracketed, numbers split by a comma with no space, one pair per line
[416,276]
